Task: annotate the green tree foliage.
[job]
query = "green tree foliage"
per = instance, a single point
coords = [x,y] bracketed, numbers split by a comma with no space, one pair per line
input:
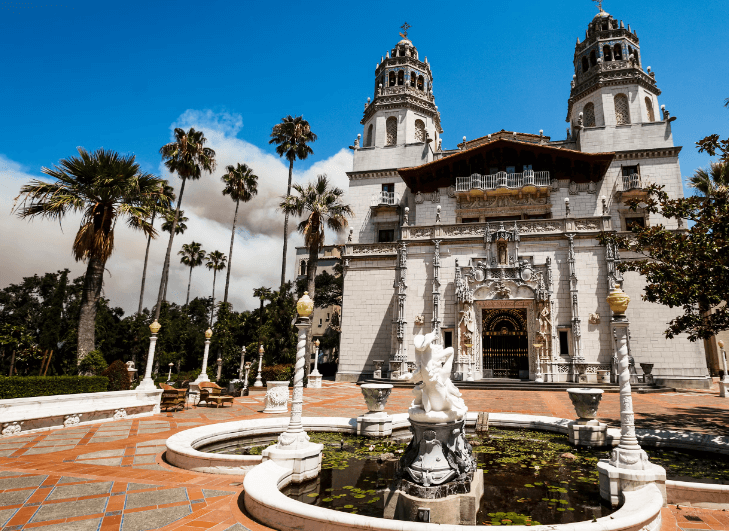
[118,376]
[685,269]
[93,364]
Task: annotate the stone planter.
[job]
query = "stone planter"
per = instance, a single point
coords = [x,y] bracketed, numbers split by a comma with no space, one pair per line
[376,422]
[376,396]
[586,402]
[277,397]
[647,369]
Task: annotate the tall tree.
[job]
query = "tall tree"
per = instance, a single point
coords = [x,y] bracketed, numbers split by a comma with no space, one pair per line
[216,262]
[106,187]
[263,293]
[161,203]
[241,185]
[180,226]
[292,137]
[321,205]
[192,256]
[188,157]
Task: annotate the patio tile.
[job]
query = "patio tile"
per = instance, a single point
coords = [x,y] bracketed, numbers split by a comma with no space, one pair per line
[91,524]
[5,515]
[144,459]
[21,482]
[153,519]
[159,497]
[70,509]
[16,497]
[113,461]
[71,479]
[77,491]
[47,450]
[102,453]
[140,486]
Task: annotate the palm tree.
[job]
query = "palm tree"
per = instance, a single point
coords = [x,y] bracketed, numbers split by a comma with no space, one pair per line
[323,208]
[241,185]
[161,203]
[192,256]
[263,293]
[216,262]
[292,136]
[187,157]
[106,187]
[707,181]
[181,225]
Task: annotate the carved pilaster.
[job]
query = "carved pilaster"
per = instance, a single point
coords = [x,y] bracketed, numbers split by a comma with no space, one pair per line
[401,287]
[574,302]
[436,290]
[612,259]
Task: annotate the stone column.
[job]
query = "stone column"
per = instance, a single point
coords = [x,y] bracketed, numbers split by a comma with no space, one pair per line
[259,381]
[724,383]
[242,362]
[398,361]
[436,291]
[148,384]
[204,373]
[575,309]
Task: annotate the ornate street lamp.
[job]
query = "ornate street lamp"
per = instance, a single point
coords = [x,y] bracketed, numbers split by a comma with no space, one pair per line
[148,384]
[259,381]
[204,373]
[169,374]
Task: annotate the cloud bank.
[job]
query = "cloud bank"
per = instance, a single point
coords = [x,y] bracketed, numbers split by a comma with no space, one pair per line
[41,246]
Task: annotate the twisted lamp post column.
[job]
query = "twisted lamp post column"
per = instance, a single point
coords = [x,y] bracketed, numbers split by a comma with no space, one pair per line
[148,384]
[204,373]
[259,381]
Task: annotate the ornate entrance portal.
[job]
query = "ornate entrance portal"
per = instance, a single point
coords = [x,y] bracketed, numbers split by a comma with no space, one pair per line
[505,343]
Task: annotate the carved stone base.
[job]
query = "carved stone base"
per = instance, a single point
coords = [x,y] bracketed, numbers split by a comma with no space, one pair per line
[374,424]
[588,433]
[314,381]
[304,461]
[277,397]
[724,389]
[454,503]
[437,453]
[614,481]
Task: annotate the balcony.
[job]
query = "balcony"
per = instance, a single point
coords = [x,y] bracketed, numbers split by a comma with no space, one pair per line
[631,182]
[384,200]
[503,180]
[632,187]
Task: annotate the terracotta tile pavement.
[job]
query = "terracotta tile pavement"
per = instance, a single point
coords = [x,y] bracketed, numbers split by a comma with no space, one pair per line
[112,476]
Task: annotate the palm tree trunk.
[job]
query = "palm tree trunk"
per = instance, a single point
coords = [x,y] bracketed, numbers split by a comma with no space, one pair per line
[87,318]
[166,267]
[286,226]
[189,281]
[311,286]
[230,254]
[144,271]
[212,310]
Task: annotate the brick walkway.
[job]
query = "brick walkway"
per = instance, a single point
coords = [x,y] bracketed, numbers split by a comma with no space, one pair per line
[112,476]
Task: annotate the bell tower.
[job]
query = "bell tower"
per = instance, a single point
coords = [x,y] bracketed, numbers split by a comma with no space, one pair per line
[401,121]
[613,99]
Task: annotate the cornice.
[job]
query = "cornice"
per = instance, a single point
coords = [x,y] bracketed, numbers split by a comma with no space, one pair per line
[361,175]
[648,153]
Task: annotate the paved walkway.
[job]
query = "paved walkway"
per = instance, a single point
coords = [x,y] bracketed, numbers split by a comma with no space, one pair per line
[112,476]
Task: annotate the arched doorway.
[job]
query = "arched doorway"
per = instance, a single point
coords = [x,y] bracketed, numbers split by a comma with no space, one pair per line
[505,343]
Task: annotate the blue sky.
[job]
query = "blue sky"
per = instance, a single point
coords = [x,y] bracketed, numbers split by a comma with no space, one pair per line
[120,74]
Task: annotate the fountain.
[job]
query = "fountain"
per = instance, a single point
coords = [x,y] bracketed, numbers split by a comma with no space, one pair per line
[438,480]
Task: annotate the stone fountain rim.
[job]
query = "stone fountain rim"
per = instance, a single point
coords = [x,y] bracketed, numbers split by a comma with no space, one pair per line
[584,391]
[376,386]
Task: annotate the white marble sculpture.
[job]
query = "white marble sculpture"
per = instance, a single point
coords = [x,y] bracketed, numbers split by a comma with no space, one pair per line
[436,398]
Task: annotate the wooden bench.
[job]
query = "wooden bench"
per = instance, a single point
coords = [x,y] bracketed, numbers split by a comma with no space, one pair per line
[211,393]
[172,397]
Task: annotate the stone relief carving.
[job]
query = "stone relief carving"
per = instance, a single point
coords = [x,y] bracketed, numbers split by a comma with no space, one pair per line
[120,414]
[419,198]
[374,248]
[277,396]
[71,420]
[12,428]
[594,318]
[573,188]
[586,224]
[421,233]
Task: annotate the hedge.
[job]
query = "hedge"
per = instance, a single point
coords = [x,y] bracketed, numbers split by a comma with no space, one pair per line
[26,386]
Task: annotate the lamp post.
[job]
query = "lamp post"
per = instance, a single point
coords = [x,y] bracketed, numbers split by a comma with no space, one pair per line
[204,373]
[242,362]
[169,374]
[148,384]
[539,378]
[315,376]
[259,382]
[244,391]
[724,382]
[468,346]
[219,361]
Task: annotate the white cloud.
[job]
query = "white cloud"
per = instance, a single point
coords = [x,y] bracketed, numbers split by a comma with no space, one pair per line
[39,246]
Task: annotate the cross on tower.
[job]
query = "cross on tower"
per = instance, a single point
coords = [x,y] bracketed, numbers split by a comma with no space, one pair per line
[405,27]
[599,4]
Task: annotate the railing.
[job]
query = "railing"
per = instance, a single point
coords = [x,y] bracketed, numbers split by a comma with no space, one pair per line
[383,198]
[502,180]
[632,182]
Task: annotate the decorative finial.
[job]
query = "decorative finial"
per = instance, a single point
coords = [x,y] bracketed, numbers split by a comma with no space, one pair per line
[599,4]
[405,27]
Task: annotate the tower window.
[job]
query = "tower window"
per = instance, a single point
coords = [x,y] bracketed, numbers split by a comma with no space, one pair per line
[585,64]
[368,141]
[593,58]
[564,343]
[419,131]
[391,81]
[649,109]
[588,115]
[401,77]
[622,111]
[386,235]
[391,129]
[618,52]
[421,83]
[607,53]
[302,269]
[412,79]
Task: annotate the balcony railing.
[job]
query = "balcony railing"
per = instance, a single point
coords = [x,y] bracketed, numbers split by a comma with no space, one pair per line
[502,180]
[632,182]
[384,198]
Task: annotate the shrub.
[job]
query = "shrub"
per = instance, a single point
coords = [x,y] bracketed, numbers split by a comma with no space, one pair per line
[118,376]
[25,386]
[93,364]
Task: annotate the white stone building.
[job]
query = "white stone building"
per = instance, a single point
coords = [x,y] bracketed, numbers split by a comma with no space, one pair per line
[494,244]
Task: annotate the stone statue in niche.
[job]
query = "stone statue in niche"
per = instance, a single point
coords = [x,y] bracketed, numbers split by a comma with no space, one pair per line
[594,318]
[436,398]
[503,254]
[545,323]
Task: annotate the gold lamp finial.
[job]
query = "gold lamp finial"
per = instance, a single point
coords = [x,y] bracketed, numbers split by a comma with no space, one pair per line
[154,327]
[208,333]
[305,306]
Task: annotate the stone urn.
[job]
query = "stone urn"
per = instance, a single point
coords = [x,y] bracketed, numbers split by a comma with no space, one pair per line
[618,300]
[647,367]
[277,396]
[586,402]
[376,396]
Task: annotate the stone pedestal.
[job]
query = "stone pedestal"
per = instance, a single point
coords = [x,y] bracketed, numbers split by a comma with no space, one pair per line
[376,422]
[603,377]
[277,397]
[724,388]
[588,433]
[303,458]
[314,381]
[616,480]
[454,503]
[377,373]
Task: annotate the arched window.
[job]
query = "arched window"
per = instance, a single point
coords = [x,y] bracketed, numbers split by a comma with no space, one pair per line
[649,109]
[368,142]
[593,58]
[585,64]
[401,77]
[391,82]
[391,129]
[588,115]
[618,52]
[607,54]
[421,83]
[622,111]
[419,131]
[413,77]
[302,270]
